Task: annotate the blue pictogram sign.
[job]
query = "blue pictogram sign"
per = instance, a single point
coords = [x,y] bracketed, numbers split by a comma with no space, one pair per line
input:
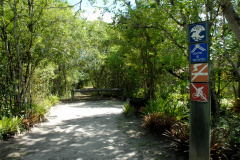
[199,52]
[198,32]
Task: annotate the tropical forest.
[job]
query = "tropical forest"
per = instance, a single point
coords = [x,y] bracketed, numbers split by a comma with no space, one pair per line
[48,48]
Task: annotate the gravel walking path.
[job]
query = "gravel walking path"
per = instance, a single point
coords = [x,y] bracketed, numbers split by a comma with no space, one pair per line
[91,130]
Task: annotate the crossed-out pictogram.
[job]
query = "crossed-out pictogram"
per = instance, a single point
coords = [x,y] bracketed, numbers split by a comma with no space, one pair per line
[199,92]
[199,72]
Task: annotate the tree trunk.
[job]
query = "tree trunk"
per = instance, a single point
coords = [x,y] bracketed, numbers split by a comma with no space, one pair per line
[239,77]
[234,65]
[21,79]
[231,16]
[215,106]
[238,89]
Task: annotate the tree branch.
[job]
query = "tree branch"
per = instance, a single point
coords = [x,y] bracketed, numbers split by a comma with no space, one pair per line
[168,35]
[176,75]
[174,19]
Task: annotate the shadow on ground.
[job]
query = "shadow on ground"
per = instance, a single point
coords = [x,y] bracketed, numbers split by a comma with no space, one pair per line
[91,130]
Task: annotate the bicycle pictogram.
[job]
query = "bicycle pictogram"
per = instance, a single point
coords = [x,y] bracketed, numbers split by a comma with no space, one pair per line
[199,92]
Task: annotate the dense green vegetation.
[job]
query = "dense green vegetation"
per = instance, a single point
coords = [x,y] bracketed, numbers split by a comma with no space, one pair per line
[47,49]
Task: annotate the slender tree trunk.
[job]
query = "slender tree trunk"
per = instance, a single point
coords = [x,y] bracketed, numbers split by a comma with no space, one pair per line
[234,90]
[215,107]
[21,83]
[238,89]
[12,76]
[239,77]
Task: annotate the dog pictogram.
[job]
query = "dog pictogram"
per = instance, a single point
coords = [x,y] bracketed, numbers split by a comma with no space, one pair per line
[198,32]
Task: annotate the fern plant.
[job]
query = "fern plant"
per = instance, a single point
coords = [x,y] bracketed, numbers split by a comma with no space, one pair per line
[9,126]
[170,107]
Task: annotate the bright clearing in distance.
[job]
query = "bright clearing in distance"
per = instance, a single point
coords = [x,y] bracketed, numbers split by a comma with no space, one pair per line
[95,11]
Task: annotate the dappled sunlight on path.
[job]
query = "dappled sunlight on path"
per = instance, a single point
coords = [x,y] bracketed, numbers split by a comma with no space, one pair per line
[85,130]
[93,130]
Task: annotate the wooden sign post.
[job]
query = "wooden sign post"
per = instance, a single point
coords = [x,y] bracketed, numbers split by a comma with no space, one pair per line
[199,147]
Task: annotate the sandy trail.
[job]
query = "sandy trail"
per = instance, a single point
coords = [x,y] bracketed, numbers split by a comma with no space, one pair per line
[93,130]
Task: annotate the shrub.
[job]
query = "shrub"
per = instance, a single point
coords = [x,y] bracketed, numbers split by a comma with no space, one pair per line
[170,107]
[157,122]
[229,131]
[53,99]
[234,137]
[9,126]
[180,134]
[219,143]
[129,110]
[138,104]
[38,111]
[236,105]
[155,105]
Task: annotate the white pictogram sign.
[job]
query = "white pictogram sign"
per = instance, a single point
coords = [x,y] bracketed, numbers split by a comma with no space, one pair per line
[199,92]
[197,46]
[199,72]
[199,52]
[196,30]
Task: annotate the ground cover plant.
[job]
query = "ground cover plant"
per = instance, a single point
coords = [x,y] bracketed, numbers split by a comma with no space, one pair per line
[129,110]
[9,126]
[158,123]
[179,133]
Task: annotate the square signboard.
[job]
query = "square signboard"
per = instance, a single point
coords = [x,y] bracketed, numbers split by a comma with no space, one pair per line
[199,52]
[199,92]
[199,72]
[198,32]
